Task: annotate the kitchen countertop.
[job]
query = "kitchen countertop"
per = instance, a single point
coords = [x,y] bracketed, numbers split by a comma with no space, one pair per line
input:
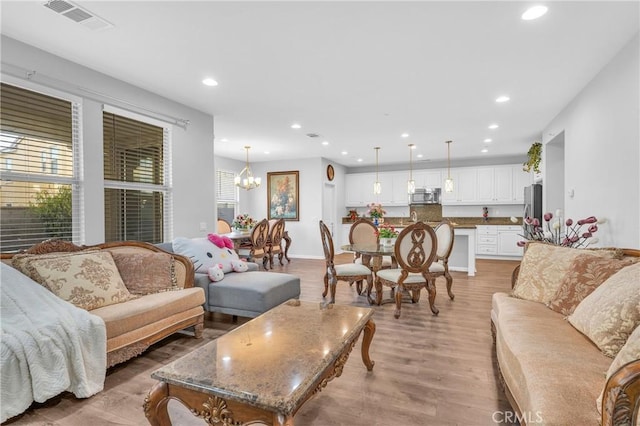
[458,222]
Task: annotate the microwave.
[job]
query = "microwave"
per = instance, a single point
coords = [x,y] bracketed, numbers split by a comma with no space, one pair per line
[426,196]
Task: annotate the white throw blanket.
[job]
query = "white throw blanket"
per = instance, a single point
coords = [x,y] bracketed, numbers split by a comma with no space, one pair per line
[48,345]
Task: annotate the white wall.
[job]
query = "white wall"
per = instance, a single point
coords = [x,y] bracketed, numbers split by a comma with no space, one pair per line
[304,233]
[193,171]
[602,149]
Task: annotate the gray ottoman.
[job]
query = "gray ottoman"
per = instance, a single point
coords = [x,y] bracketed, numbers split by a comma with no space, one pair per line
[250,294]
[245,294]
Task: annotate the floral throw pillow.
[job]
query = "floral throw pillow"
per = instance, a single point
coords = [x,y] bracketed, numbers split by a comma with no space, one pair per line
[146,273]
[543,268]
[23,262]
[585,274]
[629,352]
[87,280]
[609,314]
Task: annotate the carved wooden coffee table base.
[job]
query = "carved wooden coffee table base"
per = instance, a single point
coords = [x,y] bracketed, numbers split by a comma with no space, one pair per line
[204,390]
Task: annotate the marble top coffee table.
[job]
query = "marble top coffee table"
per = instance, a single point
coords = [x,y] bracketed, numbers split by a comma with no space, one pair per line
[263,371]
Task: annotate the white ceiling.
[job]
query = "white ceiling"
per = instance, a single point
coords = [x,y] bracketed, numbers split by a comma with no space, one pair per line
[357,73]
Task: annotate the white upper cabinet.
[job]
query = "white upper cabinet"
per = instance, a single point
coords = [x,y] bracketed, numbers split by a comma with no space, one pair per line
[464,186]
[359,189]
[521,179]
[427,178]
[484,185]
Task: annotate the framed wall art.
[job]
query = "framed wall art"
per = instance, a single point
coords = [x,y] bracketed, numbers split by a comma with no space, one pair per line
[283,195]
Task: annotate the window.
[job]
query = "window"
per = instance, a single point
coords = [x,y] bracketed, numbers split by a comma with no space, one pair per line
[226,195]
[36,202]
[137,193]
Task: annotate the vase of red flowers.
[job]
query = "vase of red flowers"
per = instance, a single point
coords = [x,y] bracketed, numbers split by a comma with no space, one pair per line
[566,233]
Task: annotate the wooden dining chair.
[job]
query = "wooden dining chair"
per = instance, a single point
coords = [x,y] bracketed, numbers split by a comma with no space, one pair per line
[363,231]
[415,251]
[349,272]
[440,268]
[258,241]
[274,242]
[223,227]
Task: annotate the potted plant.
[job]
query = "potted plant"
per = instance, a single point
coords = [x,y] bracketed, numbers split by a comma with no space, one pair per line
[387,234]
[534,156]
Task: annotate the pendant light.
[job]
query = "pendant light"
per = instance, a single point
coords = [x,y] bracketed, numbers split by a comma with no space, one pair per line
[411,184]
[247,182]
[448,183]
[377,186]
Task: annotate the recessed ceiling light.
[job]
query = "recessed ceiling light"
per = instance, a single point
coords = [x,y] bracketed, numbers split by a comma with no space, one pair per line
[419,155]
[487,140]
[404,135]
[344,153]
[224,140]
[534,12]
[325,143]
[296,126]
[267,152]
[503,98]
[484,150]
[493,126]
[359,160]
[209,82]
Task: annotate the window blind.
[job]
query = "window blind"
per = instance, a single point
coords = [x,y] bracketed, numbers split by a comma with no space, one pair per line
[226,188]
[137,180]
[39,154]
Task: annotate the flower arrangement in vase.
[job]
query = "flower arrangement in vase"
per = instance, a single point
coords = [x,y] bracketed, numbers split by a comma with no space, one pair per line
[561,233]
[376,212]
[387,234]
[243,222]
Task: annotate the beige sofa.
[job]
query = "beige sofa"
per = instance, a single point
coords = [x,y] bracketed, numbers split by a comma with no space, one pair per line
[552,373]
[133,325]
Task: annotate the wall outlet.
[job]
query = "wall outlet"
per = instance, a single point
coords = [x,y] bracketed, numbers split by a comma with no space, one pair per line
[203,226]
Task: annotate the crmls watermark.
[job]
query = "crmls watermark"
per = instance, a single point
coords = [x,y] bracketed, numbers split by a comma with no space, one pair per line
[528,417]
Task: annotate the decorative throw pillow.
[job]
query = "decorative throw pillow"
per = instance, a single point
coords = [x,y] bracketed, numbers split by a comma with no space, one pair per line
[609,314]
[146,273]
[585,274]
[22,262]
[88,280]
[629,352]
[204,254]
[544,266]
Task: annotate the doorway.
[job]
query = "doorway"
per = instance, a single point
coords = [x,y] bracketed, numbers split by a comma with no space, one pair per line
[329,208]
[554,181]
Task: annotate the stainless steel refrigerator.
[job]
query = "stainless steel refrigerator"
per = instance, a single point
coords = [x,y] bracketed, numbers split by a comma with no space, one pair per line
[533,201]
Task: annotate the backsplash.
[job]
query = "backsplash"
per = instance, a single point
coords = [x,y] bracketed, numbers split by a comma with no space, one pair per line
[506,210]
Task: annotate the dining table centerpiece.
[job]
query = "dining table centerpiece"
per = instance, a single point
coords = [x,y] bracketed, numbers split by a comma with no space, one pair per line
[387,234]
[243,222]
[376,212]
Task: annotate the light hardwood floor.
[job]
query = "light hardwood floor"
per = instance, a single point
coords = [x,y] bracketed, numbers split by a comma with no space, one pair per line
[430,370]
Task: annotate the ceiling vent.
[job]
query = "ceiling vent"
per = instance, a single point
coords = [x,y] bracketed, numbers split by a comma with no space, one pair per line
[313,135]
[78,14]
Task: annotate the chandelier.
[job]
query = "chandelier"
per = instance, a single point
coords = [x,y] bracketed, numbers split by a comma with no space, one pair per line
[377,186]
[247,182]
[448,183]
[411,184]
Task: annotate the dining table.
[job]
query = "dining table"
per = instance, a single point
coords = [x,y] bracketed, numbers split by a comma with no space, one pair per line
[238,237]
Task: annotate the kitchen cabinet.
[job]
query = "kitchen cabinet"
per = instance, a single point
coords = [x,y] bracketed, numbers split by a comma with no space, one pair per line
[464,186]
[508,237]
[428,178]
[359,189]
[487,239]
[521,179]
[498,240]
